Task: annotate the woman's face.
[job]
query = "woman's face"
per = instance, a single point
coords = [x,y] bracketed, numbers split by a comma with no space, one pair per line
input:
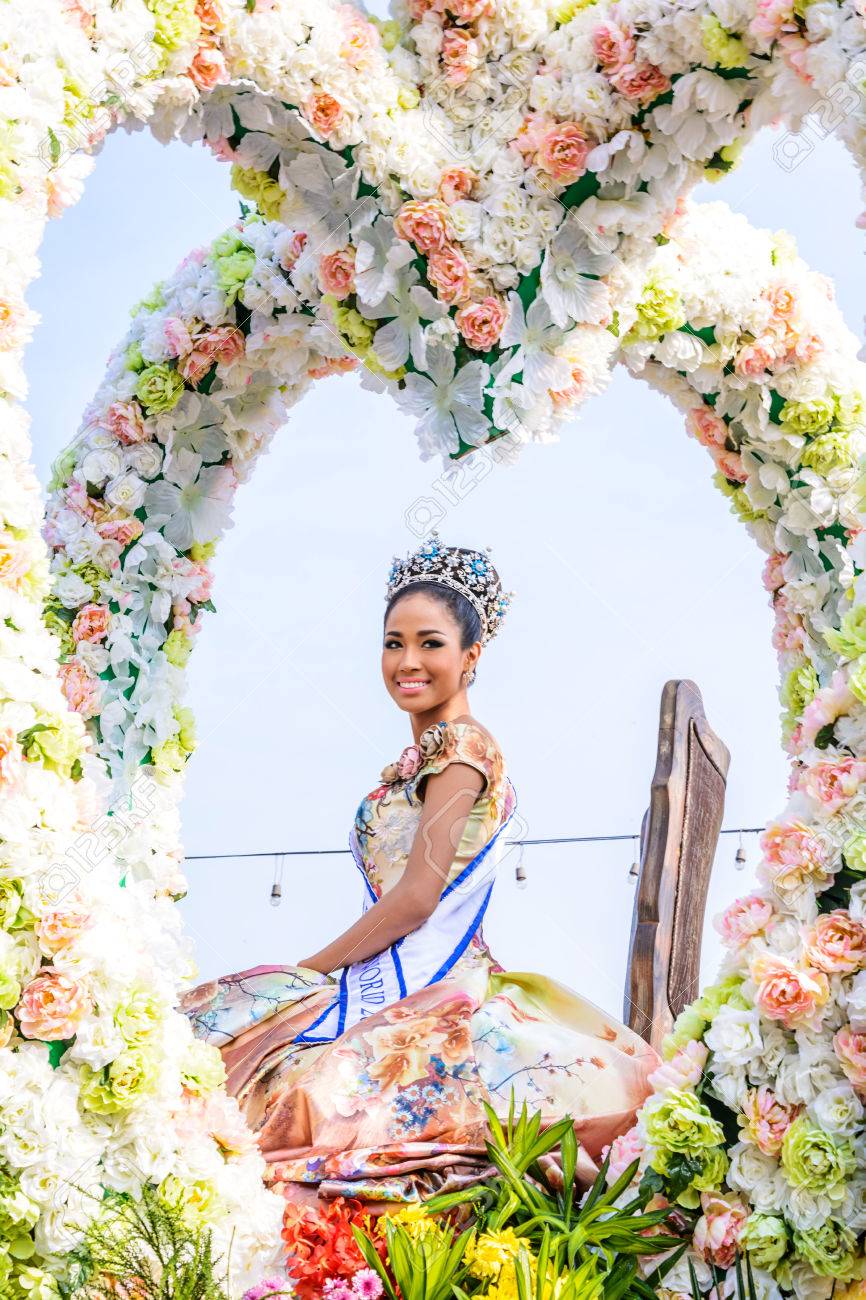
[422,662]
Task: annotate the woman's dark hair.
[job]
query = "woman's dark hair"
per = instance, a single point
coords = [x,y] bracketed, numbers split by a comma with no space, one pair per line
[462,610]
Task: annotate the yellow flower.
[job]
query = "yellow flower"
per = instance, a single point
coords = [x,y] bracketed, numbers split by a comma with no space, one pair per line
[486,1255]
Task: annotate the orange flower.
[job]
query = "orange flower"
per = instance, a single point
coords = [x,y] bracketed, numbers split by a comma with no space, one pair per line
[321,1245]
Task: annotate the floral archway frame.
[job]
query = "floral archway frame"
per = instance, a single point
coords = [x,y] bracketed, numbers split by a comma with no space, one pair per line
[487,282]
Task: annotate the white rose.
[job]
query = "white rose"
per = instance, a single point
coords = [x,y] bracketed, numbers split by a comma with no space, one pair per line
[101,463]
[72,591]
[837,1109]
[126,492]
[734,1037]
[754,1172]
[95,658]
[145,458]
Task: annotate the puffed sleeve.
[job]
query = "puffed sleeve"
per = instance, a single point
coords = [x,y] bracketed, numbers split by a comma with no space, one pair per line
[458,742]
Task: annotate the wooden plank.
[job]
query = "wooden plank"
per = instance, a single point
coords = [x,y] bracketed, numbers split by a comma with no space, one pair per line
[678,843]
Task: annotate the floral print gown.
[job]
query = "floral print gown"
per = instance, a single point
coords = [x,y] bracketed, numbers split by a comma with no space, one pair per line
[392,1108]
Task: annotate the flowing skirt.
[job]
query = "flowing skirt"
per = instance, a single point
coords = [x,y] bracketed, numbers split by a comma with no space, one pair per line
[393,1109]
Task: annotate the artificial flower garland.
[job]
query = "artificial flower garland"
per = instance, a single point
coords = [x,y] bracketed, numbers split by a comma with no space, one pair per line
[438,255]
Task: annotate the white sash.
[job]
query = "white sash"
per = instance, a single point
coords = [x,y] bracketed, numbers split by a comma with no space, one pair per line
[421,957]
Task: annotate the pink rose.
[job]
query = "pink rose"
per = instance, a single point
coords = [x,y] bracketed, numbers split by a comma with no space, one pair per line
[337,272]
[772,17]
[624,1149]
[409,762]
[333,366]
[772,576]
[360,37]
[424,223]
[796,996]
[208,68]
[718,1229]
[836,943]
[833,784]
[481,323]
[830,703]
[783,299]
[563,152]
[448,272]
[455,183]
[60,926]
[612,45]
[210,14]
[91,623]
[684,1070]
[850,1049]
[459,54]
[640,82]
[742,920]
[176,336]
[81,690]
[709,429]
[223,345]
[121,528]
[755,359]
[293,250]
[468,11]
[196,576]
[767,1120]
[10,757]
[792,855]
[51,1006]
[323,112]
[805,349]
[788,633]
[126,422]
[730,463]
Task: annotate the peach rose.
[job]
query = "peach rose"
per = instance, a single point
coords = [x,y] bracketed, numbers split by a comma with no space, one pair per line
[210,15]
[333,366]
[360,37]
[788,633]
[563,152]
[836,943]
[455,183]
[850,1049]
[482,322]
[467,11]
[223,345]
[805,349]
[448,272]
[640,82]
[60,926]
[754,359]
[176,335]
[424,223]
[788,993]
[91,623]
[767,1120]
[120,527]
[792,853]
[730,463]
[293,250]
[14,561]
[718,1229]
[709,428]
[337,272]
[833,784]
[612,45]
[208,68]
[10,756]
[51,1006]
[459,54]
[81,690]
[783,300]
[126,422]
[772,576]
[742,920]
[323,112]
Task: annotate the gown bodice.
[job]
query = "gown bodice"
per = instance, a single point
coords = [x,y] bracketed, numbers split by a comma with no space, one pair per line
[387,818]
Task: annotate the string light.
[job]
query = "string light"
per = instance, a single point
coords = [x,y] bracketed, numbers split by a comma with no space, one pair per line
[740,855]
[277,886]
[634,869]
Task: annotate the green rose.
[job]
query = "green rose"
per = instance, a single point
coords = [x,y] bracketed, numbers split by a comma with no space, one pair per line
[11,902]
[132,358]
[850,639]
[807,418]
[177,648]
[233,271]
[138,1016]
[54,744]
[119,1085]
[849,409]
[186,733]
[35,1284]
[61,469]
[813,1160]
[799,688]
[765,1237]
[10,987]
[176,22]
[202,1068]
[724,50]
[159,388]
[659,310]
[154,300]
[265,192]
[828,451]
[169,757]
[857,679]
[739,499]
[829,1250]
[199,1200]
[716,1164]
[59,621]
[678,1120]
[855,853]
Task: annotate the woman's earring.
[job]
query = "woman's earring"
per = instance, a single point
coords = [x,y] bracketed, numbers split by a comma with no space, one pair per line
[470,677]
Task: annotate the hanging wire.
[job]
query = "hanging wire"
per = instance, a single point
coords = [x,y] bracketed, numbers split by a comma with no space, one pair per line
[740,855]
[561,839]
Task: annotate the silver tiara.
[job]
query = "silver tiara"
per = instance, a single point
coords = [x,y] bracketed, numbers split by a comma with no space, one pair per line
[469,572]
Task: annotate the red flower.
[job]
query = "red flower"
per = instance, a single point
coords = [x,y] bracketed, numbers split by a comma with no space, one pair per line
[321,1244]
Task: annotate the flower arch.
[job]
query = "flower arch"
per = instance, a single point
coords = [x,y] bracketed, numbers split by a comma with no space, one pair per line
[487,280]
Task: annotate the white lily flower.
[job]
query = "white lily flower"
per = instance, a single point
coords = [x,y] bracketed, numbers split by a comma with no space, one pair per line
[192,503]
[448,403]
[379,258]
[566,285]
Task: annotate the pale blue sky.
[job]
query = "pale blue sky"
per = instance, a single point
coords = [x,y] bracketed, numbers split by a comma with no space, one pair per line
[627,565]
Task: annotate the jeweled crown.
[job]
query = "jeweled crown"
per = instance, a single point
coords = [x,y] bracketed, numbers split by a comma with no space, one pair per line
[469,572]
